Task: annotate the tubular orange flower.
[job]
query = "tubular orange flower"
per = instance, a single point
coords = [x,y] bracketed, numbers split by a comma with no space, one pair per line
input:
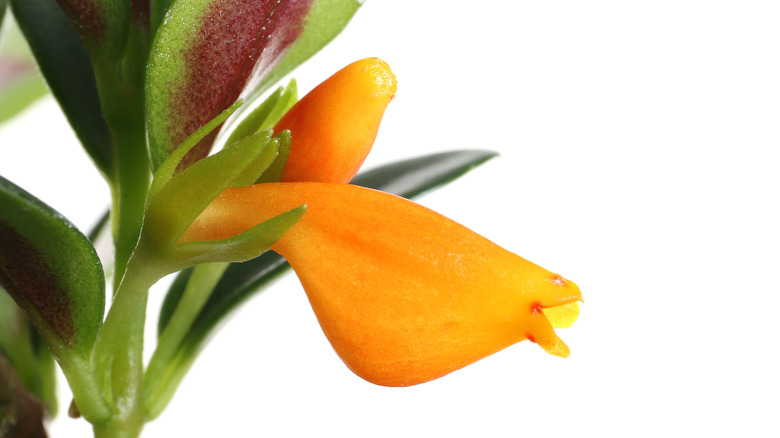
[334,126]
[404,294]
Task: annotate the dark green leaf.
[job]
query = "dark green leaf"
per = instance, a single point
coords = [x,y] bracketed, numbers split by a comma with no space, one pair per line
[52,272]
[65,65]
[415,176]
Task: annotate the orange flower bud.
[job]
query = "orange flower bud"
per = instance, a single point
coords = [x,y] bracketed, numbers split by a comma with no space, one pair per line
[404,294]
[334,126]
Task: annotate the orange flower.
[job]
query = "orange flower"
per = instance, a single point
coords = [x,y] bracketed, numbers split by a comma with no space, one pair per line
[334,126]
[404,294]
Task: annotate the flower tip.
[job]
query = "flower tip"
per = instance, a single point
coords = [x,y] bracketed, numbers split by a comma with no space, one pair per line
[385,80]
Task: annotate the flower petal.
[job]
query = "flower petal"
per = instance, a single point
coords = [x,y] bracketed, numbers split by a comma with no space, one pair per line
[404,294]
[334,126]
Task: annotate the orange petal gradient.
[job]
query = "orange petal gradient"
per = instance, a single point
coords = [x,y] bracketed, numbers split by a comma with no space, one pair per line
[334,126]
[404,294]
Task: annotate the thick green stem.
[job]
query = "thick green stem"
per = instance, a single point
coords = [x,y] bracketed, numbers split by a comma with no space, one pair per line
[120,352]
[121,90]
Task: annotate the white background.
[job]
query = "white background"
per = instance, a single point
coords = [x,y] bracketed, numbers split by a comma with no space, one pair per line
[637,145]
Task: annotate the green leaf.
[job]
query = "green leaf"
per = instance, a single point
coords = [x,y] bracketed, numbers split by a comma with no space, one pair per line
[203,56]
[242,247]
[187,194]
[172,162]
[206,54]
[52,272]
[267,113]
[64,63]
[413,177]
[276,169]
[326,19]
[240,281]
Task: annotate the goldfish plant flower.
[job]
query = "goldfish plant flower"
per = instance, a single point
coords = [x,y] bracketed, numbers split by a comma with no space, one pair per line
[403,294]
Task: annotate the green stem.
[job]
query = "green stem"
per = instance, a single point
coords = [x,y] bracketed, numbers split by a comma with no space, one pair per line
[120,351]
[161,381]
[121,90]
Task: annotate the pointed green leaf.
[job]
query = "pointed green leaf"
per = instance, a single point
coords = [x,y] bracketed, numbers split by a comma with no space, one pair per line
[276,169]
[259,164]
[245,246]
[203,56]
[187,194]
[65,65]
[52,272]
[172,162]
[267,113]
[413,177]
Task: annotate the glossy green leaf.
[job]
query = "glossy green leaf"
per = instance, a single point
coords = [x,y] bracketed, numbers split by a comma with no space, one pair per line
[63,60]
[413,177]
[242,280]
[187,194]
[52,272]
[206,54]
[203,56]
